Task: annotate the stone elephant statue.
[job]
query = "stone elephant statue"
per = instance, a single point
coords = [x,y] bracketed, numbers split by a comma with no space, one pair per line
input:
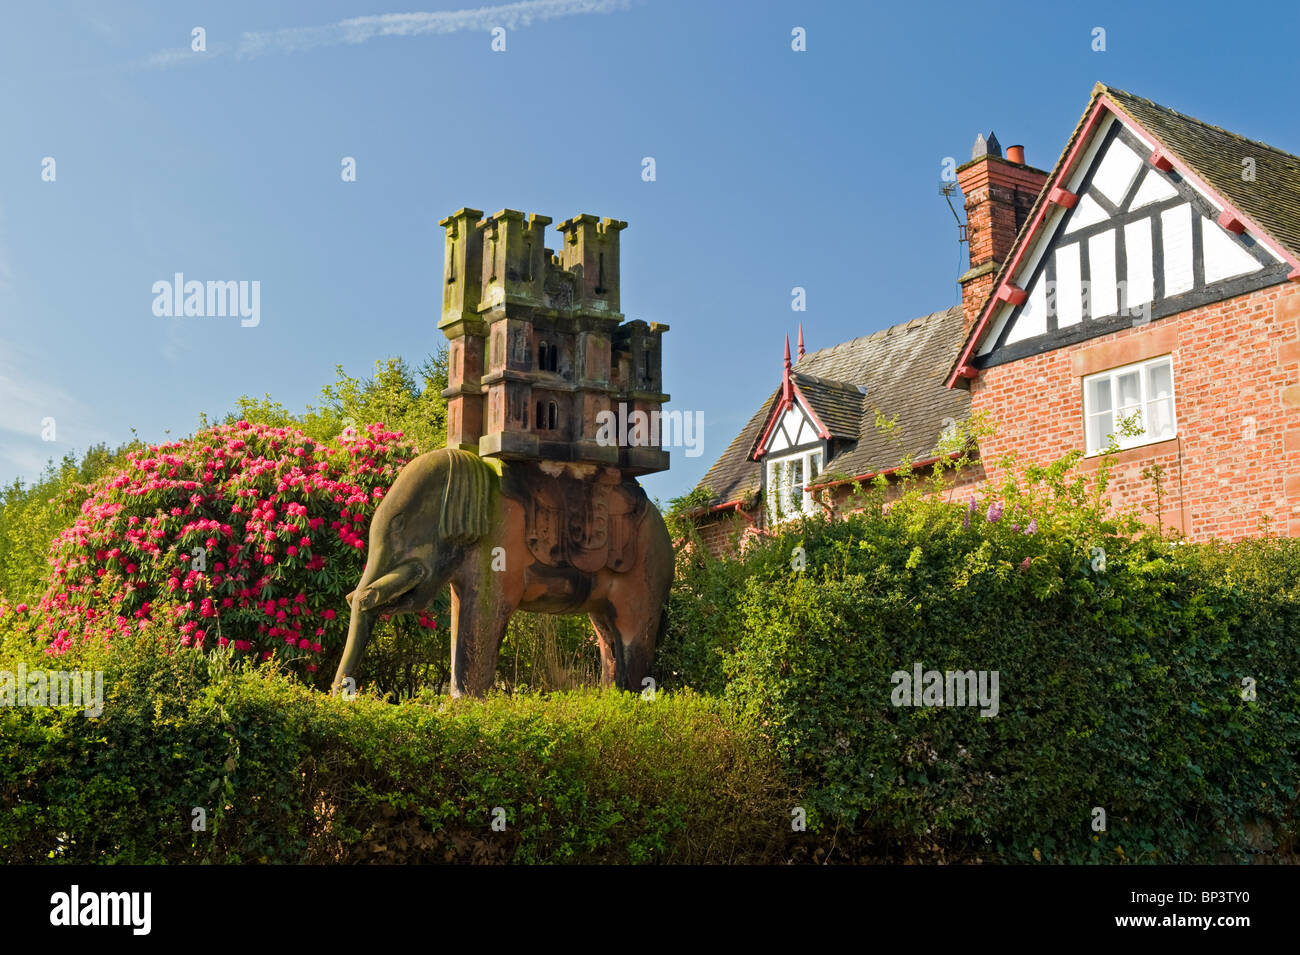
[545,537]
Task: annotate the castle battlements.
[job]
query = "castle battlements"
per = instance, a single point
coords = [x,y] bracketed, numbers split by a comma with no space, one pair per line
[538,344]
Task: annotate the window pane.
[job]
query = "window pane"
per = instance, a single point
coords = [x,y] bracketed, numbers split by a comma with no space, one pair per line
[1139,422]
[1100,427]
[1129,387]
[814,466]
[1098,397]
[773,490]
[1128,390]
[1136,425]
[1161,415]
[1160,381]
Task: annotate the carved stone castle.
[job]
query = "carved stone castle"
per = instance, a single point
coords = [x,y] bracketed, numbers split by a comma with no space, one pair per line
[538,345]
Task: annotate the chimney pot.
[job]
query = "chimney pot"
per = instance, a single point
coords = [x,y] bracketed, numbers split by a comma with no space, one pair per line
[986,147]
[1016,154]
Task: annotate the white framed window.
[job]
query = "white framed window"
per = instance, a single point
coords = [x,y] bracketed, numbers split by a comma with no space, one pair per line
[786,478]
[1143,391]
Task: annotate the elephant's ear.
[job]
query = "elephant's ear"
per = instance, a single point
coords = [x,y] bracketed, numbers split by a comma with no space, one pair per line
[466,498]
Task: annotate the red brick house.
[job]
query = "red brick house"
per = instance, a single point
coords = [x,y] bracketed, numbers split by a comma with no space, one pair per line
[1153,275]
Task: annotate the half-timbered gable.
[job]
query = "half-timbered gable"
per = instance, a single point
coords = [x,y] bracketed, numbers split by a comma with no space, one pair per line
[1127,239]
[1148,303]
[810,419]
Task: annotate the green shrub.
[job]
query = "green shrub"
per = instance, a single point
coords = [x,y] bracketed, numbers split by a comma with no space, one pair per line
[703,621]
[1120,682]
[32,515]
[287,774]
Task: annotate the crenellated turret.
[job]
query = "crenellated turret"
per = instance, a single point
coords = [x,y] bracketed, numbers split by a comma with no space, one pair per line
[539,354]
[590,252]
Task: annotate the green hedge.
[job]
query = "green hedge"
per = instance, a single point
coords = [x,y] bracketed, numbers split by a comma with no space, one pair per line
[1120,684]
[1121,659]
[288,774]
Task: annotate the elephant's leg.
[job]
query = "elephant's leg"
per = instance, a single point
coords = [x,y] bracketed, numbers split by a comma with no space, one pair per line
[611,646]
[481,608]
[639,600]
[629,628]
[638,636]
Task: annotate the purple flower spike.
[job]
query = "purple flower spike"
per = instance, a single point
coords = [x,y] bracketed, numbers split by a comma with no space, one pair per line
[965,521]
[1015,528]
[1033,527]
[994,512]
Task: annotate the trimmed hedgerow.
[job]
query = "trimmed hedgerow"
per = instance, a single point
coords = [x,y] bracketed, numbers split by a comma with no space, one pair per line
[285,774]
[1126,668]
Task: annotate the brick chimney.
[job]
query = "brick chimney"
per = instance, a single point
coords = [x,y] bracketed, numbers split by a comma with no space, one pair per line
[999,194]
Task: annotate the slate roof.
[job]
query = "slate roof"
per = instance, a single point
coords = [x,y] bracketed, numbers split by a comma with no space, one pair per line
[1214,154]
[903,369]
[837,403]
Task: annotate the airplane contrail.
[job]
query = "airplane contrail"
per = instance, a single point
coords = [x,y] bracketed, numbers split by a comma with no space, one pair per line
[356,30]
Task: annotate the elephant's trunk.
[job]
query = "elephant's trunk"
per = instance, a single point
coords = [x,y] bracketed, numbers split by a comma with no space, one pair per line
[375,591]
[360,626]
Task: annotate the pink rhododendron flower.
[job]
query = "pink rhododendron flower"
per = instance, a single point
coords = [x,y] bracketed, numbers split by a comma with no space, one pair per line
[164,507]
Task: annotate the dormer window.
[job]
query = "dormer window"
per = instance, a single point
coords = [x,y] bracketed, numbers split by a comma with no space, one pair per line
[787,478]
[807,416]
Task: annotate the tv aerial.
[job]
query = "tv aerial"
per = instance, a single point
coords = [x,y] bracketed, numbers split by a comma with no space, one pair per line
[946,191]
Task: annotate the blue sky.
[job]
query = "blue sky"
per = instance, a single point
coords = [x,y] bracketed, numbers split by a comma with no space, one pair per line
[774,169]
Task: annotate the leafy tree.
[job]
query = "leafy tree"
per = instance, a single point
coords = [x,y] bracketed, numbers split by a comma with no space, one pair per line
[404,400]
[32,515]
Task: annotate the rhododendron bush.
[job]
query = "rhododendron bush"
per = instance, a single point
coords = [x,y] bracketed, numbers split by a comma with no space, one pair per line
[244,534]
